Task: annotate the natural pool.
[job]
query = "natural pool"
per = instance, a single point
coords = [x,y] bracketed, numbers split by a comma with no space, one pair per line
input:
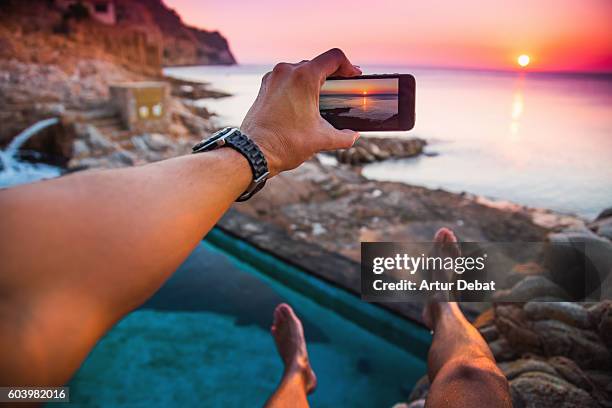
[203,340]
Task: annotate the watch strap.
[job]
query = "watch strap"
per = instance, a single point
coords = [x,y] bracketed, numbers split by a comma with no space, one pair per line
[232,137]
[257,161]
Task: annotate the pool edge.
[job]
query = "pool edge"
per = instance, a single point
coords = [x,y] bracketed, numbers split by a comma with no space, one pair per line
[399,331]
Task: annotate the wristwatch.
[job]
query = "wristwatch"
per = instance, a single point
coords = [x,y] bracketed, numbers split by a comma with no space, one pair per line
[232,137]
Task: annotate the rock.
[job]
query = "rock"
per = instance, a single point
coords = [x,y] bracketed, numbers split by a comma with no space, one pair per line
[512,323]
[529,288]
[567,312]
[601,379]
[417,404]
[158,142]
[607,213]
[502,350]
[96,141]
[518,367]
[583,346]
[605,325]
[602,226]
[420,389]
[489,333]
[570,372]
[122,158]
[80,149]
[605,230]
[539,389]
[371,149]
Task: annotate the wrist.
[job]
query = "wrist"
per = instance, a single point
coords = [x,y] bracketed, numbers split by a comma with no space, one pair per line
[262,137]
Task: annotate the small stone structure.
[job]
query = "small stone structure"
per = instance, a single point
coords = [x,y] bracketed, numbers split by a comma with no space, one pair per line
[141,105]
[100,10]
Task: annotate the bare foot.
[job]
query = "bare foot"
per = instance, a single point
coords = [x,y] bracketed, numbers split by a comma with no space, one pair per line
[445,245]
[289,337]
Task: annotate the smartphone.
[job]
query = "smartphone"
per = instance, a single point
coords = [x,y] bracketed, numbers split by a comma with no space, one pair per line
[369,102]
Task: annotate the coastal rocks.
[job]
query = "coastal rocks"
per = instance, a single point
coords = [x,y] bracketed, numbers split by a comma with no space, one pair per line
[371,149]
[583,346]
[601,317]
[602,225]
[31,92]
[539,389]
[532,287]
[193,90]
[567,312]
[92,149]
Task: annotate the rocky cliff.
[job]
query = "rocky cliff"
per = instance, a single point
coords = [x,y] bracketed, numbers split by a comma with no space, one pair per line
[182,44]
[145,36]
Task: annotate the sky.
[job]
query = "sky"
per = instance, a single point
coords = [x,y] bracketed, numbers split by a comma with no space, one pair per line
[348,86]
[558,35]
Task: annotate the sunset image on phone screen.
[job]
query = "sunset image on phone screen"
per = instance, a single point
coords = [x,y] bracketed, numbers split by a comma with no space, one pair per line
[360,103]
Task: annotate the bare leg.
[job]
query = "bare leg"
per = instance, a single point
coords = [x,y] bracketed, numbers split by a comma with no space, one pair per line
[461,367]
[298,378]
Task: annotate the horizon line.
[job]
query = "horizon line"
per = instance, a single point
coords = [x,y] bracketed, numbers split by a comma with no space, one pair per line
[465,68]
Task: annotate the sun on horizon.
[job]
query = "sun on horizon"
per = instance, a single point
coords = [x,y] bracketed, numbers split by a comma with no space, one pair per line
[523,60]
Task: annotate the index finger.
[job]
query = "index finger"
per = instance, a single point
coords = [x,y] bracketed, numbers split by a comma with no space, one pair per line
[334,63]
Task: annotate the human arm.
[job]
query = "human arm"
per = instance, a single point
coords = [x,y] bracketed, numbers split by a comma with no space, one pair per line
[81,251]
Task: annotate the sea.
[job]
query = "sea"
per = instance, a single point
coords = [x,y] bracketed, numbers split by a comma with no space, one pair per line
[374,107]
[541,140]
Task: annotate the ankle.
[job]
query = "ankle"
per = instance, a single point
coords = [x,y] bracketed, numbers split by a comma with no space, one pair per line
[301,371]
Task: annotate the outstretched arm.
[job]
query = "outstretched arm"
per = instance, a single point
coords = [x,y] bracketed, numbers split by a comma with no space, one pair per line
[81,251]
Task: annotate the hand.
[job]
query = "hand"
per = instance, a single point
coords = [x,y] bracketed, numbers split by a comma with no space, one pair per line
[284,120]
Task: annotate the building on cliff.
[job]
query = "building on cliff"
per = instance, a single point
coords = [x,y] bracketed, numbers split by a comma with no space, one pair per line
[100,10]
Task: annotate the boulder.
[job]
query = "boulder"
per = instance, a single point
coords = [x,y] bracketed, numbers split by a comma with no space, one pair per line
[502,350]
[583,346]
[530,288]
[570,372]
[540,389]
[371,149]
[513,369]
[489,333]
[512,323]
[567,312]
[607,213]
[604,327]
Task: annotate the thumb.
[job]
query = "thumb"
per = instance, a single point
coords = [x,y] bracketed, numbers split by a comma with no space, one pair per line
[342,139]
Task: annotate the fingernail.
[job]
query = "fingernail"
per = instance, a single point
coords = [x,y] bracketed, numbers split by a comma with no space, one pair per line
[357,68]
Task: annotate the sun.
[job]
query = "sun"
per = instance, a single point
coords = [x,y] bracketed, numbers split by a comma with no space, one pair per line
[364,93]
[523,60]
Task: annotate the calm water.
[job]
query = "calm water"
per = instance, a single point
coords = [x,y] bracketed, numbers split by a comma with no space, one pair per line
[377,107]
[538,140]
[204,340]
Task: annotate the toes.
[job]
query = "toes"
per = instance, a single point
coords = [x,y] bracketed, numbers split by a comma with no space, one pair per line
[279,313]
[445,235]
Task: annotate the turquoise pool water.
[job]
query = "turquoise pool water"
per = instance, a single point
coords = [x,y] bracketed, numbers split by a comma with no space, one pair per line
[203,340]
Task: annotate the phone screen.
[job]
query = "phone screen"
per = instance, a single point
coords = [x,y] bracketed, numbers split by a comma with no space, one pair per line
[371,104]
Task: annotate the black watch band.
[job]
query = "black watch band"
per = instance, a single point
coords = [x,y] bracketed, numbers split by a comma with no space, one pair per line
[232,137]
